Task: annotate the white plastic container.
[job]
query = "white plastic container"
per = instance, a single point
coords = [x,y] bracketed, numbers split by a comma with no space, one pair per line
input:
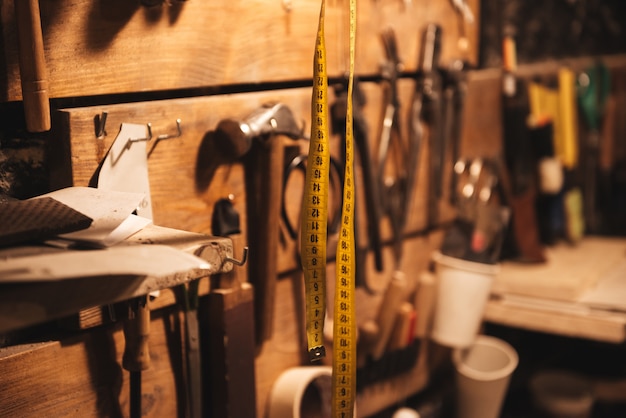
[463,288]
[483,373]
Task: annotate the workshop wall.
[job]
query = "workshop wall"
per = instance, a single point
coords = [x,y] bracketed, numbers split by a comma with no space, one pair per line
[200,62]
[203,62]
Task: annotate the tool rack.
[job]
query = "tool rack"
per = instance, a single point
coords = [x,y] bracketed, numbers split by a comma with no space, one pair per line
[200,62]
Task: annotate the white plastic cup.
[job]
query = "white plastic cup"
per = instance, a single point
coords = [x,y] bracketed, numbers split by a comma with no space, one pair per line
[483,373]
[463,288]
[561,394]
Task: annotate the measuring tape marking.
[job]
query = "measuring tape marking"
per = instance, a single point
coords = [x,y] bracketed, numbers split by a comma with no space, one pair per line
[344,324]
[315,203]
[314,233]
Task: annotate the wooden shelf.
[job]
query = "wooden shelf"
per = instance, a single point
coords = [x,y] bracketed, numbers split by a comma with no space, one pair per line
[27,304]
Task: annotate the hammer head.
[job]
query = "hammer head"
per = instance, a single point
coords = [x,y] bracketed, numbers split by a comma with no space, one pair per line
[235,137]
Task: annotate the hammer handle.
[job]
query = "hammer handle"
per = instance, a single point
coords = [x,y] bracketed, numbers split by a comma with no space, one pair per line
[264,173]
[33,72]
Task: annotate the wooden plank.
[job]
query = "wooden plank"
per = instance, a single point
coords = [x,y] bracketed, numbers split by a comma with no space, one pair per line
[82,376]
[187,174]
[93,48]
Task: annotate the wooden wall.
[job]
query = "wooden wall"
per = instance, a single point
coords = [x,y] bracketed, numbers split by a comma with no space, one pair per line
[202,62]
[95,47]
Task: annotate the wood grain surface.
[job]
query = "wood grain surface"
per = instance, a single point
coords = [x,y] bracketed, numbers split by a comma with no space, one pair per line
[95,47]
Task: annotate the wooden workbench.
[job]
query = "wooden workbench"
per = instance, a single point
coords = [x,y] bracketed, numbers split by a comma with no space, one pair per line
[26,304]
[568,294]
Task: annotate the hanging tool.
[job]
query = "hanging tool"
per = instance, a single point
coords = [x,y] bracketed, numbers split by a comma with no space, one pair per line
[428,104]
[398,177]
[187,296]
[136,356]
[394,296]
[516,175]
[465,17]
[257,140]
[33,71]
[370,184]
[594,85]
[457,239]
[574,192]
[397,161]
[478,231]
[464,10]
[230,337]
[513,168]
[489,224]
[192,345]
[456,90]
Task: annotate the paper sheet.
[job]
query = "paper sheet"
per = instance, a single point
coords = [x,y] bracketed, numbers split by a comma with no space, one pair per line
[125,167]
[109,210]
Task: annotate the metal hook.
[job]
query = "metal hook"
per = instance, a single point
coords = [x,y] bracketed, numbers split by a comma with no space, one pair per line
[179,132]
[100,122]
[241,262]
[131,141]
[147,138]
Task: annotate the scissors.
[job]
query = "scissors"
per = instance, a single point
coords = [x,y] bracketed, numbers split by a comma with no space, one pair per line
[397,161]
[297,163]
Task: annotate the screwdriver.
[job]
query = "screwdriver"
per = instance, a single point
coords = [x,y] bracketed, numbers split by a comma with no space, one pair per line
[136,351]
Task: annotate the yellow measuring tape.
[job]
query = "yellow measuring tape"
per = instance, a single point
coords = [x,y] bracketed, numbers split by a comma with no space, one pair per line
[344,321]
[314,234]
[314,211]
